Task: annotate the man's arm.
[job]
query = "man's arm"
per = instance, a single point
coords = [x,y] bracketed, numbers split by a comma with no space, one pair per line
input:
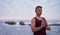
[34,29]
[47,25]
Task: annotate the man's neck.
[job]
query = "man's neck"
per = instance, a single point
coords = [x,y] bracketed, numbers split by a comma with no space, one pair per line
[38,16]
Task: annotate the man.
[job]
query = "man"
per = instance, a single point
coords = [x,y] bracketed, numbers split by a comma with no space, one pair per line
[38,23]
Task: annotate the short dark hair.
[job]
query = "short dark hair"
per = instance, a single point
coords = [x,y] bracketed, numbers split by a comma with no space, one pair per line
[38,7]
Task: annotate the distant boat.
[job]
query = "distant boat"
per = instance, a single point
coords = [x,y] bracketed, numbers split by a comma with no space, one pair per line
[29,24]
[10,23]
[55,24]
[21,23]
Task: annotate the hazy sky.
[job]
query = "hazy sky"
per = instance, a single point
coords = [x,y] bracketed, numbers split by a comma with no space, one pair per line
[24,9]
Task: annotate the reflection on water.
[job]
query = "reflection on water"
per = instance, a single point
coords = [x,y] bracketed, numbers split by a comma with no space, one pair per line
[24,30]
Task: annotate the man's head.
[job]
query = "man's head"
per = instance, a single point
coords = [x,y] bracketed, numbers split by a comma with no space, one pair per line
[38,10]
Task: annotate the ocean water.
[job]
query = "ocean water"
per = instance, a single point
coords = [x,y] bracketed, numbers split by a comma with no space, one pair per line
[24,29]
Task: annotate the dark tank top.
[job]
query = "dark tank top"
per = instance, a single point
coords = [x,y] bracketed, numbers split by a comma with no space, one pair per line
[37,24]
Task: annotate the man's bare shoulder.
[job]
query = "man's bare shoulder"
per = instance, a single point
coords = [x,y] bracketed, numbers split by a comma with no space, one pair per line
[33,19]
[43,18]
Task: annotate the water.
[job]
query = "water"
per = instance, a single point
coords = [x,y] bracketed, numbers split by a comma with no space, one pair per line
[24,30]
[15,29]
[55,30]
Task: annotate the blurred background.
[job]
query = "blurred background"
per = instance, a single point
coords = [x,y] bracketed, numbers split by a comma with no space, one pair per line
[13,12]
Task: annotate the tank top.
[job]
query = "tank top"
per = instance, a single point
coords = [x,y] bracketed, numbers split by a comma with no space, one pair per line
[37,24]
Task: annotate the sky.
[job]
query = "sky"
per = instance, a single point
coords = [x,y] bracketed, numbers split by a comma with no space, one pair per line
[25,9]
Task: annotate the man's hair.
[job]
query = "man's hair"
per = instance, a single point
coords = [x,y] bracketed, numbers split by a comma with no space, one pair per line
[38,7]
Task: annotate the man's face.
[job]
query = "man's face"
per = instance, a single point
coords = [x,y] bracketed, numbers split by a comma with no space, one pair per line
[39,11]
